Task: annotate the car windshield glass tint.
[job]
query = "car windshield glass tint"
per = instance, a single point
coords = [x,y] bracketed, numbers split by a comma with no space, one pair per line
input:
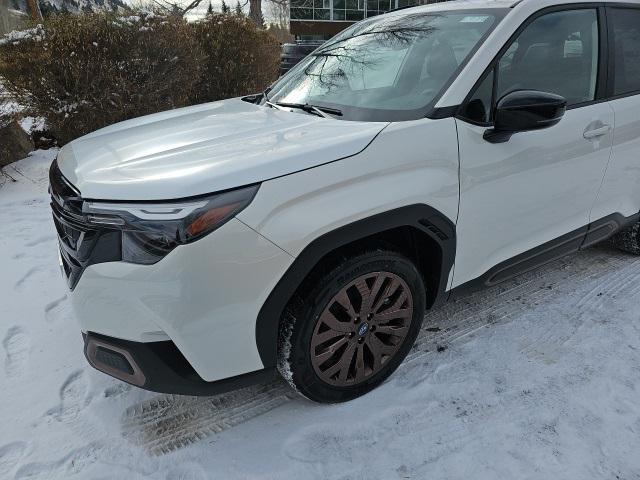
[386,68]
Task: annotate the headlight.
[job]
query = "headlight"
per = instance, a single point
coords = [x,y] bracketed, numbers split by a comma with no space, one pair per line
[151,230]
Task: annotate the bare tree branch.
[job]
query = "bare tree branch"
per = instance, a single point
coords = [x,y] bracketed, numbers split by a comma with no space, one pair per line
[349,54]
[176,8]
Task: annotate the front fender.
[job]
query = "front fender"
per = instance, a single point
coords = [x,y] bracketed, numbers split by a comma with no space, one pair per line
[408,176]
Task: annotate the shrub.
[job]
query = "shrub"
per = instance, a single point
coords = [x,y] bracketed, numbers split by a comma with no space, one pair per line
[83,72]
[8,107]
[240,59]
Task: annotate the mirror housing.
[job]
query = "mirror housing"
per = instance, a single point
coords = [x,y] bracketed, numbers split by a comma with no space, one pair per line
[523,111]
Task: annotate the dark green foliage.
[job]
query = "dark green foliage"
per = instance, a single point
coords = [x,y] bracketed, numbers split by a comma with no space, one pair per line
[83,72]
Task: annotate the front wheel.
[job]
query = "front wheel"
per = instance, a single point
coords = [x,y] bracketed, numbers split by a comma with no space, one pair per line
[352,327]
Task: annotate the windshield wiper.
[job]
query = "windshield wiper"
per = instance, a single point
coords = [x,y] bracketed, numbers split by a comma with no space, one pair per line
[306,107]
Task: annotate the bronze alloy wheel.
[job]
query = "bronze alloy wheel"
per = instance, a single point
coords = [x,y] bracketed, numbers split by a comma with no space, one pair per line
[361,328]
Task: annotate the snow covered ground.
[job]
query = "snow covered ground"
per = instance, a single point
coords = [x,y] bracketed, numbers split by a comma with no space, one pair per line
[538,378]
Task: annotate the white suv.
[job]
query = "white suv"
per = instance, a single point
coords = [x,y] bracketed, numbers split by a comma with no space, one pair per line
[308,228]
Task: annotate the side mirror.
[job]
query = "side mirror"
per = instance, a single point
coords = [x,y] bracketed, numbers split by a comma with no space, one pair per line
[525,110]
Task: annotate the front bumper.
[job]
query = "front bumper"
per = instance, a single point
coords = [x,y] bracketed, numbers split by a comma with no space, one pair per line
[159,367]
[203,297]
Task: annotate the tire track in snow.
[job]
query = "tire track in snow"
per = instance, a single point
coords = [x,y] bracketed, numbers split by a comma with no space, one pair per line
[623,281]
[477,310]
[170,422]
[349,447]
[447,422]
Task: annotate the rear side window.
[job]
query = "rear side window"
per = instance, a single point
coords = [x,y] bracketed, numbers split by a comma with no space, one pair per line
[626,37]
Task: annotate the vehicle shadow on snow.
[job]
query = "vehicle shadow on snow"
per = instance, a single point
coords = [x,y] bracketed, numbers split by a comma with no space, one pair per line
[167,423]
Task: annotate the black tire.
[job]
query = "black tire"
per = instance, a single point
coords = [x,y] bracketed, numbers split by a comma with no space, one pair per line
[301,318]
[628,240]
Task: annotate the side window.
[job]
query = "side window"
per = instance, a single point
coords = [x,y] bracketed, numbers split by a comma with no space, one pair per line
[478,107]
[556,53]
[626,34]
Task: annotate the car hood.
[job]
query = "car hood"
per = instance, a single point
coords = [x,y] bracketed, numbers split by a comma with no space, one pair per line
[206,148]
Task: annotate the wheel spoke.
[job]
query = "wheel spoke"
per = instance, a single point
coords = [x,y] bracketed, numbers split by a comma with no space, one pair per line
[332,370]
[367,301]
[375,351]
[364,291]
[392,315]
[343,300]
[391,287]
[340,341]
[360,373]
[327,354]
[379,346]
[400,331]
[345,361]
[333,323]
[321,338]
[397,305]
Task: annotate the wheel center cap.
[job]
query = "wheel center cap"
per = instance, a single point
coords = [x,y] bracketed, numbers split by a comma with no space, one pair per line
[364,328]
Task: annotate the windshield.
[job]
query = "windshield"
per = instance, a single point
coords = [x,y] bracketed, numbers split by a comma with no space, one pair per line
[390,67]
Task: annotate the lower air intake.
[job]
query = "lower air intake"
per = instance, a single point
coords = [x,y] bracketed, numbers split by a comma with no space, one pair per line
[114,361]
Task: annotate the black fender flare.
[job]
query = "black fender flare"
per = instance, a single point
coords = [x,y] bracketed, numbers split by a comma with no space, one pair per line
[423,217]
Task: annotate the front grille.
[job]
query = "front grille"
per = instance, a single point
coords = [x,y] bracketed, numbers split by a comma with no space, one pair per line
[81,244]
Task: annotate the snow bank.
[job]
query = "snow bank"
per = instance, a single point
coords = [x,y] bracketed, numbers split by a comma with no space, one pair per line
[33,124]
[35,34]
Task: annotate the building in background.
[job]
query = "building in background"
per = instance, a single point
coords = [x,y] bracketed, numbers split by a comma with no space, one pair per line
[12,15]
[321,19]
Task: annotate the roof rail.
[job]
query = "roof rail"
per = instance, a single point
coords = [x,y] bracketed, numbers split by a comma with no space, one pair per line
[515,4]
[400,8]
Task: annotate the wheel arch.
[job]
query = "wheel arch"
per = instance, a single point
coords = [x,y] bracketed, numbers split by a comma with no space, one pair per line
[425,228]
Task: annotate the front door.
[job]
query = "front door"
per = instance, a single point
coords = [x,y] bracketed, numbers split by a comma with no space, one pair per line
[539,186]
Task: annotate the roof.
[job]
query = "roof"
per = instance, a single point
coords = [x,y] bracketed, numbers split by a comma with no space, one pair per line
[499,4]
[468,5]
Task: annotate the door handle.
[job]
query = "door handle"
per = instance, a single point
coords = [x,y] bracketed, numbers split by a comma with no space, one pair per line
[597,132]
